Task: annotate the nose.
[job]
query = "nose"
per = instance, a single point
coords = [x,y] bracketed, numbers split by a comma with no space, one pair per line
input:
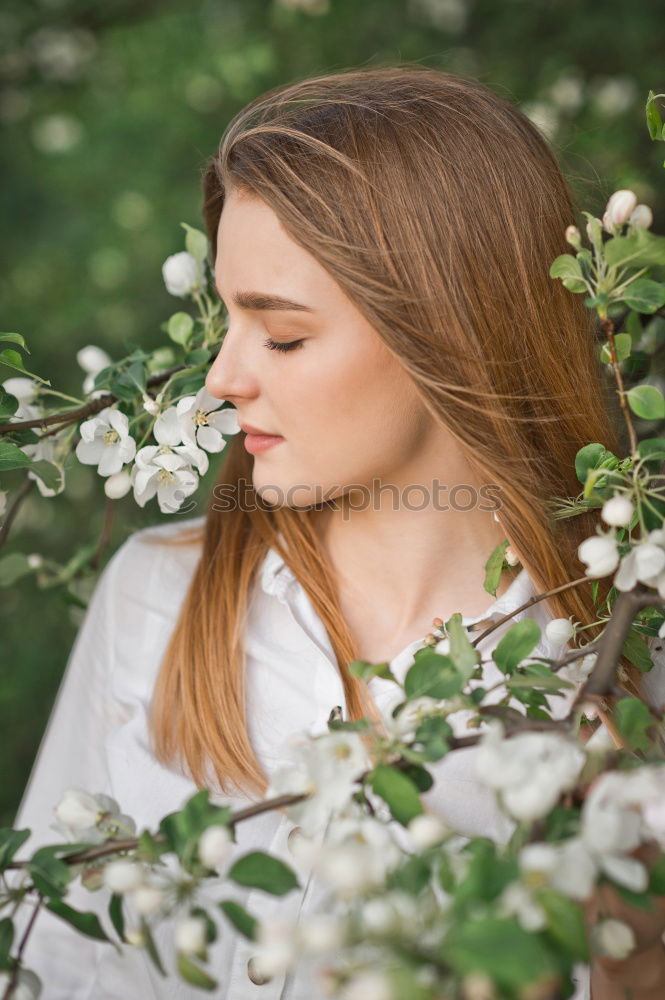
[231,376]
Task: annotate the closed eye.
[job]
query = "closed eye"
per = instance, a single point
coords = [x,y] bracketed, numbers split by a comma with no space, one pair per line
[276,345]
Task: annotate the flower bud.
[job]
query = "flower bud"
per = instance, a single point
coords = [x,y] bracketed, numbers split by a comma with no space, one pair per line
[147,899]
[641,217]
[427,830]
[78,809]
[600,553]
[150,405]
[511,556]
[574,237]
[182,274]
[35,560]
[215,845]
[559,630]
[617,511]
[614,938]
[92,359]
[123,875]
[118,485]
[190,935]
[618,209]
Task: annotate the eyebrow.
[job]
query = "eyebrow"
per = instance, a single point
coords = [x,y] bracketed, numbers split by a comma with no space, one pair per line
[258,301]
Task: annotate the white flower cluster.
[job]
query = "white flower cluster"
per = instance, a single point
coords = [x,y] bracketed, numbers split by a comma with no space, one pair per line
[27,390]
[82,816]
[644,563]
[171,468]
[326,768]
[529,771]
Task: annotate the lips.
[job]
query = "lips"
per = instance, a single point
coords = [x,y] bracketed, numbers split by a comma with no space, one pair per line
[248,429]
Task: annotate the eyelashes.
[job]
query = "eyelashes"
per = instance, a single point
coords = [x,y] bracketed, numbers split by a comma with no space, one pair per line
[276,345]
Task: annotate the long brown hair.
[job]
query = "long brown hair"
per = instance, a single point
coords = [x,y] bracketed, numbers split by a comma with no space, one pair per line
[438,208]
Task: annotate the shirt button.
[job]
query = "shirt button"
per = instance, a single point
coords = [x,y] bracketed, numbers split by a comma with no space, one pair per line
[292,837]
[256,976]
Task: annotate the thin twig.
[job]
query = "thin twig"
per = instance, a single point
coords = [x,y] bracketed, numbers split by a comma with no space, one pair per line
[26,487]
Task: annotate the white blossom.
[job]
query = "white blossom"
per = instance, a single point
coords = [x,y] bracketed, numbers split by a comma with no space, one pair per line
[182,273]
[118,485]
[617,511]
[201,426]
[600,553]
[357,854]
[426,830]
[326,767]
[641,217]
[92,360]
[404,725]
[559,630]
[370,984]
[78,809]
[613,938]
[81,815]
[276,947]
[122,875]
[516,900]
[645,563]
[322,932]
[511,556]
[618,210]
[566,866]
[106,441]
[215,845]
[25,390]
[166,471]
[529,770]
[190,935]
[148,899]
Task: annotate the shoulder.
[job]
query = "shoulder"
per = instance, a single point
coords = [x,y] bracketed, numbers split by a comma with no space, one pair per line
[150,571]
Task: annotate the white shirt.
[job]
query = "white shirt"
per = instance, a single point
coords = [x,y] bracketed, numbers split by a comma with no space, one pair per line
[97,739]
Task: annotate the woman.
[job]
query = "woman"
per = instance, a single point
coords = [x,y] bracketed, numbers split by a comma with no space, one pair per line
[425,374]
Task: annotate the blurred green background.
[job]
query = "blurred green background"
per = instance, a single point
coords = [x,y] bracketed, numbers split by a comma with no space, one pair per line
[108,111]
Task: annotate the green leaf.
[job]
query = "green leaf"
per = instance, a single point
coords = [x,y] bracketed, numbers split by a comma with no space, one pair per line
[591,457]
[654,121]
[494,566]
[647,402]
[10,841]
[11,457]
[398,791]
[14,360]
[657,877]
[565,923]
[151,947]
[50,474]
[6,941]
[419,775]
[512,957]
[196,242]
[644,295]
[86,923]
[9,404]
[194,974]
[641,249]
[520,639]
[198,356]
[434,675]
[636,650]
[183,828]
[543,682]
[412,876]
[262,871]
[366,670]
[434,734]
[622,345]
[180,327]
[633,720]
[116,915]
[465,655]
[568,269]
[15,338]
[50,875]
[243,921]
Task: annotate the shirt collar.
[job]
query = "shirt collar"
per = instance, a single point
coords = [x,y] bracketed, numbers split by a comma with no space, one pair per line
[277,577]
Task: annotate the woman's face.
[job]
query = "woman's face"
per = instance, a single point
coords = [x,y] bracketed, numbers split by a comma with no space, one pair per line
[346,409]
